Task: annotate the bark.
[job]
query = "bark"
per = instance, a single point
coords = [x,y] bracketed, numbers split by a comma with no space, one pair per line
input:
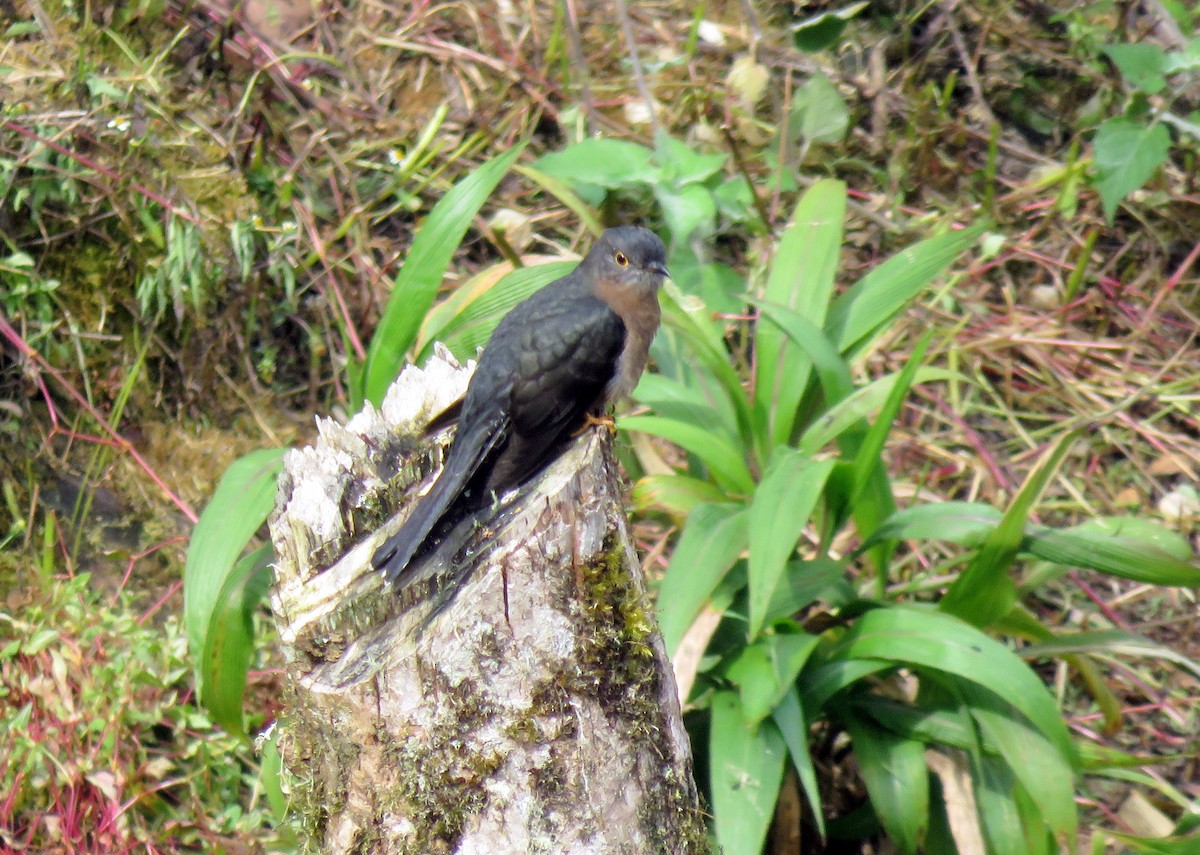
[537,713]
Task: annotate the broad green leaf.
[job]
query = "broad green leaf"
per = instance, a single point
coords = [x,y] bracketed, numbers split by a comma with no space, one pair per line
[607,163]
[818,112]
[801,280]
[832,370]
[927,638]
[465,320]
[897,780]
[238,508]
[229,643]
[678,495]
[1003,825]
[824,28]
[1140,64]
[746,769]
[985,591]
[689,211]
[725,462]
[1187,59]
[868,306]
[964,523]
[788,716]
[681,164]
[1128,558]
[863,402]
[1126,153]
[803,581]
[766,670]
[704,405]
[780,510]
[1044,768]
[424,268]
[707,346]
[713,539]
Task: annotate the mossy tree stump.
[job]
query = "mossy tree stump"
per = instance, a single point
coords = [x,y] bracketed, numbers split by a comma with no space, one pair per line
[536,713]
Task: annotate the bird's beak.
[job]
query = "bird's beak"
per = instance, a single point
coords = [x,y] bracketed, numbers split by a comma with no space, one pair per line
[661,269]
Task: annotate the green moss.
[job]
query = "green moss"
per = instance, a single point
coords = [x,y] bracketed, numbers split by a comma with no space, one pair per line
[441,775]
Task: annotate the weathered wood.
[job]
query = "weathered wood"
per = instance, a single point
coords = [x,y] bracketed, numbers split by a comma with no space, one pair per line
[537,713]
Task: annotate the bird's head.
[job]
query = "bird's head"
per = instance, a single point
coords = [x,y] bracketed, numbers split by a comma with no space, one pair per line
[628,257]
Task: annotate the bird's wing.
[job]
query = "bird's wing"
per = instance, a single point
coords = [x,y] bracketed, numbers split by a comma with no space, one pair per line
[564,361]
[472,445]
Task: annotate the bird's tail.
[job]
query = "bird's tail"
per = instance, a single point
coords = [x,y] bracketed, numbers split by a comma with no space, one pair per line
[467,455]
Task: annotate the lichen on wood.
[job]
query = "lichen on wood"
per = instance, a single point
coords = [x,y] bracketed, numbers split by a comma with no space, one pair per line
[536,712]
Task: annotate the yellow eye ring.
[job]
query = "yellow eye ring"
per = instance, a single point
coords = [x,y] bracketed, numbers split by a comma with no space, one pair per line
[621,259]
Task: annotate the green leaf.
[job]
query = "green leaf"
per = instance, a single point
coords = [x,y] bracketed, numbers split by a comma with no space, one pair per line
[746,769]
[823,29]
[1109,642]
[270,774]
[893,768]
[1126,153]
[689,211]
[706,343]
[1129,558]
[424,268]
[766,670]
[678,495]
[818,112]
[229,643]
[238,508]
[780,510]
[868,306]
[789,718]
[801,280]
[1140,64]
[931,639]
[863,402]
[985,591]
[713,539]
[999,810]
[681,164]
[802,582]
[964,523]
[1187,59]
[723,460]
[608,163]
[561,191]
[1044,768]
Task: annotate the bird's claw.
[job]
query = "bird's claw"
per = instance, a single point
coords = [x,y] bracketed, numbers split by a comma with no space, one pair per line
[592,420]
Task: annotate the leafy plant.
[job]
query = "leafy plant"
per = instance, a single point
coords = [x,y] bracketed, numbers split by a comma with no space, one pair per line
[103,746]
[1130,148]
[792,638]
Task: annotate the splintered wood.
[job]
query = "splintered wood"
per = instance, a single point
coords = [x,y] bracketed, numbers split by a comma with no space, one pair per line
[536,712]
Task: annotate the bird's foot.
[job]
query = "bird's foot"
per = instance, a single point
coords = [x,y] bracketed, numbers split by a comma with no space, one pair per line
[592,420]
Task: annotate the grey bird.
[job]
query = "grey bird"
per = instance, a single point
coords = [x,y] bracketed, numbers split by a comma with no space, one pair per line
[556,360]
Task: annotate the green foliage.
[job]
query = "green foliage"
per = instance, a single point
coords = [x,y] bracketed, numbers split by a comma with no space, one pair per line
[792,458]
[1130,148]
[103,748]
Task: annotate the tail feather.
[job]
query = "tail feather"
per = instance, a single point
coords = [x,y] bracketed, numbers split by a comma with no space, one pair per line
[467,454]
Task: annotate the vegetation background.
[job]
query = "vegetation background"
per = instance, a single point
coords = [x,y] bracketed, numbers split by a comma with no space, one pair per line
[204,207]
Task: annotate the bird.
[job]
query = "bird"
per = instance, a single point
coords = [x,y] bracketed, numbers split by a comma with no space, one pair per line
[552,366]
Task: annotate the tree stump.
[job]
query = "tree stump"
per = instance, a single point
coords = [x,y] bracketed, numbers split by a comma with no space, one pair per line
[536,713]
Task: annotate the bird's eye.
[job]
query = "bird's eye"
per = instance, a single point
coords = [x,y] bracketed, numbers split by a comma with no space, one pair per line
[621,259]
